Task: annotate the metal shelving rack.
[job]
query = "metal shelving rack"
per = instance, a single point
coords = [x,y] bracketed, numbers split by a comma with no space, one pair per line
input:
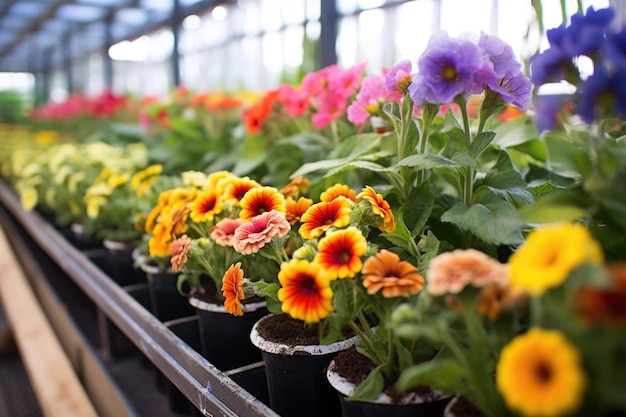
[54,265]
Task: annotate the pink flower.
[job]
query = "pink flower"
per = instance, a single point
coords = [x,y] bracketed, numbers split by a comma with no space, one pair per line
[295,102]
[180,248]
[251,236]
[451,272]
[368,100]
[331,108]
[223,233]
[345,82]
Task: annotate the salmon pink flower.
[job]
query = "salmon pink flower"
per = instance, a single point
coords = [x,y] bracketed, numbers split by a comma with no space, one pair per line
[251,236]
[180,248]
[223,233]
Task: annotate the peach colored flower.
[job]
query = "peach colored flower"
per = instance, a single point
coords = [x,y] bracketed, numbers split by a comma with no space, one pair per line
[180,248]
[322,216]
[223,233]
[232,289]
[496,299]
[340,252]
[451,272]
[385,271]
[380,207]
[251,236]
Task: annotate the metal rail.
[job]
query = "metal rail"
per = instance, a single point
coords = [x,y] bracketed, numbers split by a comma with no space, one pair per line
[207,388]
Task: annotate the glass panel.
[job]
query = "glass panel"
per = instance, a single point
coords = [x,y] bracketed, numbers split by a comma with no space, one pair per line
[270,15]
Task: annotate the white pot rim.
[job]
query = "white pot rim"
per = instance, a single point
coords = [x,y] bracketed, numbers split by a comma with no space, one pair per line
[284,349]
[116,245]
[153,269]
[346,388]
[219,308]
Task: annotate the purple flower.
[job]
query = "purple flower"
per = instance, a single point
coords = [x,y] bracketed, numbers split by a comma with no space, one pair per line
[548,65]
[398,77]
[515,90]
[500,54]
[585,34]
[547,109]
[602,94]
[614,49]
[446,69]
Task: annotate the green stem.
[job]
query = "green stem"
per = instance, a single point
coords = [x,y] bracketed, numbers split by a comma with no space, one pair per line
[468,180]
[335,132]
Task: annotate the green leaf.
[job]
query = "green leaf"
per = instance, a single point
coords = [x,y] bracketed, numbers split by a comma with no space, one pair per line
[445,375]
[392,110]
[494,222]
[558,205]
[427,161]
[416,210]
[356,145]
[568,157]
[370,166]
[252,155]
[323,165]
[370,388]
[509,185]
[401,236]
[481,142]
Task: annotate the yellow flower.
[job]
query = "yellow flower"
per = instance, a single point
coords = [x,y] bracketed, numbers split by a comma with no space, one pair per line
[540,374]
[93,205]
[550,254]
[29,198]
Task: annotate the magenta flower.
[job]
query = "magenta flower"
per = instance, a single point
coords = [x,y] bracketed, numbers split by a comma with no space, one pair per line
[295,102]
[368,100]
[251,236]
[223,233]
[332,107]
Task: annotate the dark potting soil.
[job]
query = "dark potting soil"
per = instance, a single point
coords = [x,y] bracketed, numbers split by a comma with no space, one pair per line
[355,367]
[463,408]
[282,328]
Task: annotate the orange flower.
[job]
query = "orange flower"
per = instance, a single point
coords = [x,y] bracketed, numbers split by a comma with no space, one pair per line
[205,206]
[379,207]
[255,116]
[305,293]
[296,186]
[385,271]
[340,252]
[338,190]
[260,200]
[238,187]
[604,305]
[296,208]
[160,244]
[495,299]
[251,236]
[180,248]
[322,216]
[232,289]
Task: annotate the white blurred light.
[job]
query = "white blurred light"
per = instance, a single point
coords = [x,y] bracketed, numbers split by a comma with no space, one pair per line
[192,22]
[219,12]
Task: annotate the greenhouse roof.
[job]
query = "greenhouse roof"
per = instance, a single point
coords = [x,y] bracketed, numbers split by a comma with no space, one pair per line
[39,34]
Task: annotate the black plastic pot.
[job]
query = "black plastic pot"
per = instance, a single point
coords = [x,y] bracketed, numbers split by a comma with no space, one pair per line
[120,263]
[382,406]
[296,378]
[225,338]
[167,303]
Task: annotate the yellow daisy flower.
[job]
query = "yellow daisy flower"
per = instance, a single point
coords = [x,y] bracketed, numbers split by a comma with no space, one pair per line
[540,374]
[550,254]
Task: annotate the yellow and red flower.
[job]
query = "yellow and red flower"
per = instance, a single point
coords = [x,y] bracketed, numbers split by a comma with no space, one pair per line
[205,206]
[340,252]
[260,200]
[296,208]
[380,207]
[305,294]
[338,190]
[323,215]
